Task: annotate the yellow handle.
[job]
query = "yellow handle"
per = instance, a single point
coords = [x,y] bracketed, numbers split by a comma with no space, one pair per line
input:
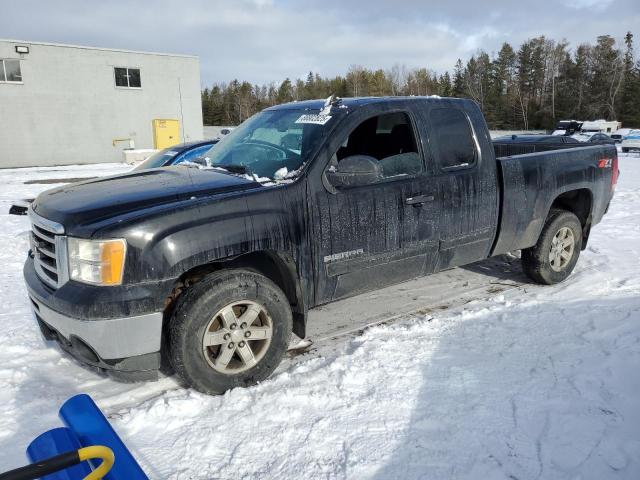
[103,453]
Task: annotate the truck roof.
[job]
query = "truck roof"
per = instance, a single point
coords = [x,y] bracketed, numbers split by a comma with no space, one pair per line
[352,102]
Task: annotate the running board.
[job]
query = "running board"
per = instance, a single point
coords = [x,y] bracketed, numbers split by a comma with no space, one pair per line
[348,318]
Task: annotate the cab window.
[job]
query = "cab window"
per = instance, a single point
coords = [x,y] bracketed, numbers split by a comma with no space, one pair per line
[452,133]
[388,139]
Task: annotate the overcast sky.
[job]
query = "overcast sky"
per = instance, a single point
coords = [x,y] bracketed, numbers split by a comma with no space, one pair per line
[267,40]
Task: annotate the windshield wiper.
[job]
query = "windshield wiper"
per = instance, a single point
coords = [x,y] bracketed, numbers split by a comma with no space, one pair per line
[244,171]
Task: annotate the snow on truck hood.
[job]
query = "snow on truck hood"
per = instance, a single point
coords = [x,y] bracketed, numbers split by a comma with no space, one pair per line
[84,202]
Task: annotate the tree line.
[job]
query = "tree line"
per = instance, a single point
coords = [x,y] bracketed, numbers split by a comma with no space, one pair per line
[531,87]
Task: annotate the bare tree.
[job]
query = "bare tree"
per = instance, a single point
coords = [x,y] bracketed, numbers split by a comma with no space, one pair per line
[617,75]
[398,78]
[355,76]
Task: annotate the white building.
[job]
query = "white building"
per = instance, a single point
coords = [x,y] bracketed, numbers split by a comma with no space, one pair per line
[67,104]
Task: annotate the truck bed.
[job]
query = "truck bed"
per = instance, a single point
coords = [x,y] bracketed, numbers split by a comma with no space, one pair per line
[532,182]
[504,149]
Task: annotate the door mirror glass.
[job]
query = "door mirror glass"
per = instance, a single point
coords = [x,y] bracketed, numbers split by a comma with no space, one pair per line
[355,171]
[202,161]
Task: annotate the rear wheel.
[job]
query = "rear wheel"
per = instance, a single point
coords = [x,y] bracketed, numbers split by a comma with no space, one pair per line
[230,329]
[554,257]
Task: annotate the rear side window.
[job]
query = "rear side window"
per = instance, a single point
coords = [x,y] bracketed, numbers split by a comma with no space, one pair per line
[452,133]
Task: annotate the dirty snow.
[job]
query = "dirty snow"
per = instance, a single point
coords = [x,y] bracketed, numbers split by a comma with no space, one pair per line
[535,382]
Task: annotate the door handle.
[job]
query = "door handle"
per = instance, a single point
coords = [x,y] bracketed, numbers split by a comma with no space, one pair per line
[420,199]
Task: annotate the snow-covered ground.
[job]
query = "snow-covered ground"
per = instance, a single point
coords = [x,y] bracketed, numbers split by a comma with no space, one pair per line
[531,383]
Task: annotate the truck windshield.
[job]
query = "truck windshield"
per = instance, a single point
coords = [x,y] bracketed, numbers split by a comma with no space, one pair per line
[272,145]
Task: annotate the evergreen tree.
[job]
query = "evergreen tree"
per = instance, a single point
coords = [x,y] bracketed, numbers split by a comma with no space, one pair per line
[285,92]
[501,95]
[458,80]
[445,86]
[630,97]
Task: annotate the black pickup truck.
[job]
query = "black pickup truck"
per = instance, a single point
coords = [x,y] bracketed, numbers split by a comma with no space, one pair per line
[212,268]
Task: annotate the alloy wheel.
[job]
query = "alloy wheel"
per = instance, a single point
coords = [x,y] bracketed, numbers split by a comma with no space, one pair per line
[237,337]
[562,246]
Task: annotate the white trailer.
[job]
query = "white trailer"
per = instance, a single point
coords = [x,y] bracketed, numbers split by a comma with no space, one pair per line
[602,126]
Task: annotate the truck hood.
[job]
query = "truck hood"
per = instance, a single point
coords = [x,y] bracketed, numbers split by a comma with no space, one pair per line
[95,200]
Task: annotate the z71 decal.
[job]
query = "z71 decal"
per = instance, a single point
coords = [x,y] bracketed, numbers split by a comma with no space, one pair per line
[605,163]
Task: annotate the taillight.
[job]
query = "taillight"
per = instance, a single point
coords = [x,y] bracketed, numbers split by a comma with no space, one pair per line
[611,163]
[615,173]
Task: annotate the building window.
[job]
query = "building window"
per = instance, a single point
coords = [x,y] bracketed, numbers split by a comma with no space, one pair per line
[127,77]
[10,71]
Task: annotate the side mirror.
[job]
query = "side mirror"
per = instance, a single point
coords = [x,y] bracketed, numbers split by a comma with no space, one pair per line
[202,161]
[355,171]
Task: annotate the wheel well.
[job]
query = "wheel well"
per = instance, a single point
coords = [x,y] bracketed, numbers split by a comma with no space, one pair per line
[280,269]
[579,202]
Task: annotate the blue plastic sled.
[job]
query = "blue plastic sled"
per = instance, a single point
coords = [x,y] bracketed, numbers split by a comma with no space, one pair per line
[70,453]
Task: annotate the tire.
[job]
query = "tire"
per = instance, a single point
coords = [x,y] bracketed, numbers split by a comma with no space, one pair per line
[546,266]
[209,306]
[625,150]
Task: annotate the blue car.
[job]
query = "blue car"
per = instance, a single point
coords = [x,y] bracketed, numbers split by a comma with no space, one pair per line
[164,158]
[177,154]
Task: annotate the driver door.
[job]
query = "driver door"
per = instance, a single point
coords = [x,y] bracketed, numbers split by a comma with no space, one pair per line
[369,236]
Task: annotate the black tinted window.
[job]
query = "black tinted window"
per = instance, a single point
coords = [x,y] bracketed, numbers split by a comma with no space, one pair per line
[127,77]
[134,77]
[452,134]
[121,77]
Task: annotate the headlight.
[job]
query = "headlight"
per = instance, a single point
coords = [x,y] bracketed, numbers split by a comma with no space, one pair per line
[99,262]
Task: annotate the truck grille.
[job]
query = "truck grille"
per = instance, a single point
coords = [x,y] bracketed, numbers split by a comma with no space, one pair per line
[49,250]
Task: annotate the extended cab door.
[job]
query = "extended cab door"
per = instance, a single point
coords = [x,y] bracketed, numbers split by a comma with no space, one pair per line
[468,185]
[369,236]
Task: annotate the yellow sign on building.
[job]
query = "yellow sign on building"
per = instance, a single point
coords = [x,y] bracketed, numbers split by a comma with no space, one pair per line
[166,133]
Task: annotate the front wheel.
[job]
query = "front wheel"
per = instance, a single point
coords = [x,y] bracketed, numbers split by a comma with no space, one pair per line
[554,257]
[625,150]
[231,329]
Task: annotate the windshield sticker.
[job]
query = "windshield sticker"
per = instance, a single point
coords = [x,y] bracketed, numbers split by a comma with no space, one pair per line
[314,119]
